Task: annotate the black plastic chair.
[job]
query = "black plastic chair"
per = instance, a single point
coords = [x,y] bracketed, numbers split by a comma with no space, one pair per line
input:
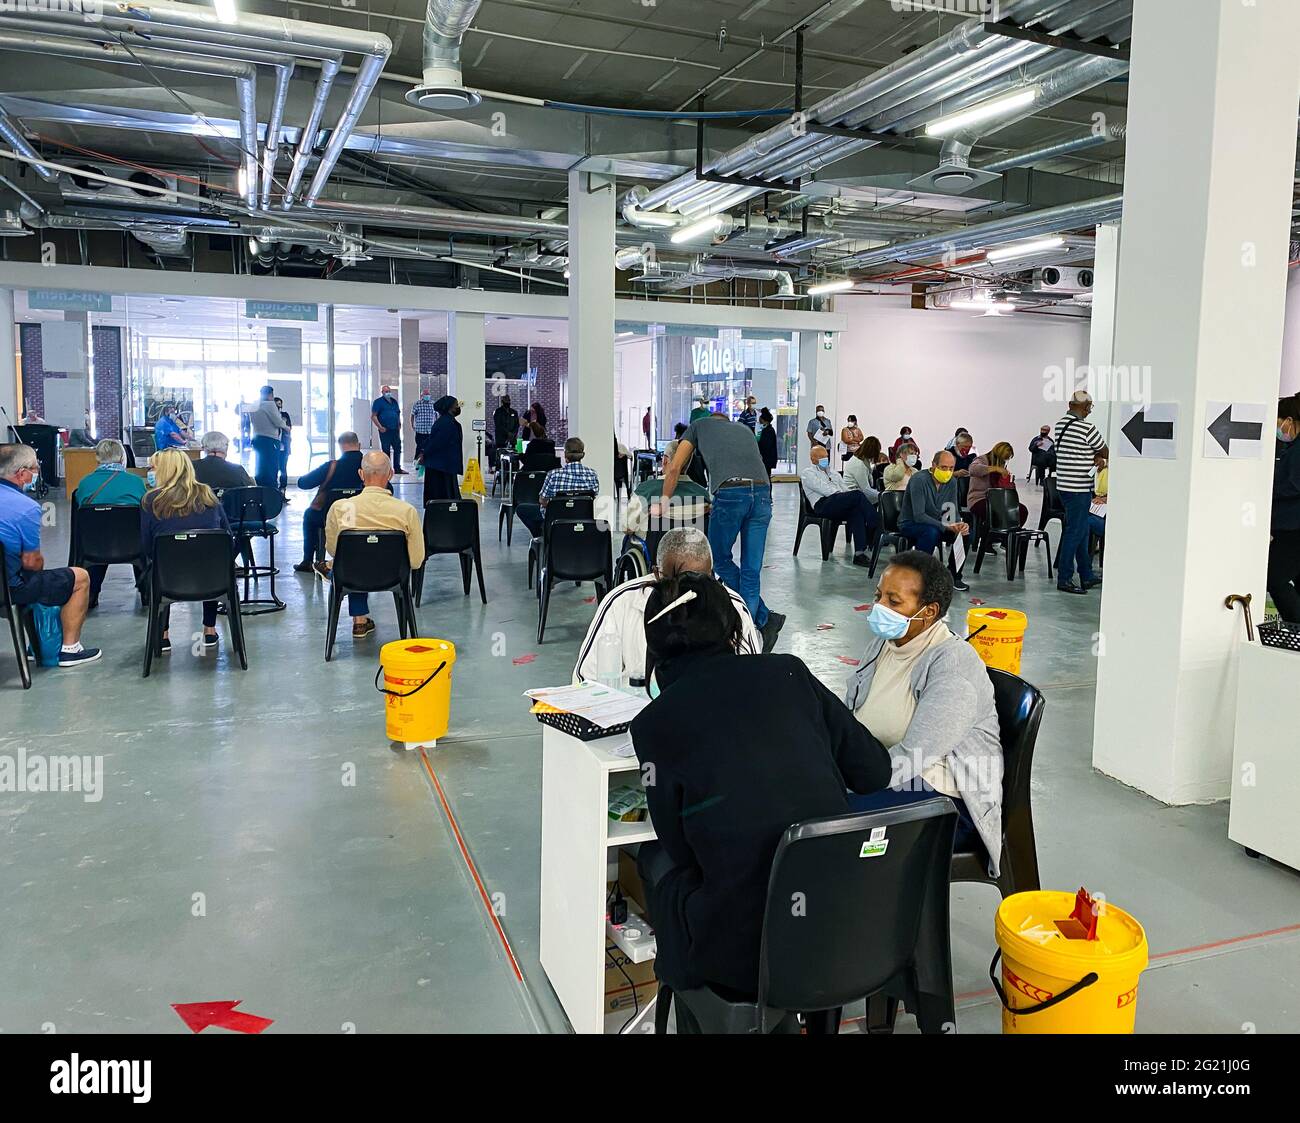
[575,550]
[21,623]
[693,511]
[887,532]
[194,565]
[332,496]
[1002,525]
[108,535]
[371,561]
[251,512]
[827,527]
[525,489]
[874,920]
[1053,508]
[1020,713]
[451,527]
[561,506]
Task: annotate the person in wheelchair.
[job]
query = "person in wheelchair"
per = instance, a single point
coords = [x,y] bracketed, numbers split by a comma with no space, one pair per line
[689,505]
[621,612]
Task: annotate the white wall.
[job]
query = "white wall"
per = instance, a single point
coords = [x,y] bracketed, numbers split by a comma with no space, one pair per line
[1291,337]
[633,390]
[936,370]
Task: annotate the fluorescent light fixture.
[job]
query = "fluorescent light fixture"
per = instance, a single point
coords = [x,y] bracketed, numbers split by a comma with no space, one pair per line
[996,107]
[703,228]
[241,182]
[661,219]
[971,305]
[566,274]
[839,284]
[623,334]
[226,10]
[254,247]
[1025,249]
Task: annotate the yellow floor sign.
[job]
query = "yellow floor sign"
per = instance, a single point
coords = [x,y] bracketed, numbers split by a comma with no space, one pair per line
[473,483]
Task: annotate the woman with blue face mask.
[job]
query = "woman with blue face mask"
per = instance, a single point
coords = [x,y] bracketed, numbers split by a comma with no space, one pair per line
[1284,550]
[926,696]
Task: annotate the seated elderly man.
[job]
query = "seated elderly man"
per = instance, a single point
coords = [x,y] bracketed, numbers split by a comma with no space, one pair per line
[109,485]
[622,612]
[214,469]
[832,497]
[376,508]
[30,583]
[575,476]
[343,474]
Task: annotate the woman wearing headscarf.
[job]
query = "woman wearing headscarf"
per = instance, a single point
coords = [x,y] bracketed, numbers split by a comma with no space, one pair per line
[444,459]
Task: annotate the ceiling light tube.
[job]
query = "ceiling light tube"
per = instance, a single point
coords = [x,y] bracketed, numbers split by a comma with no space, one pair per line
[996,107]
[226,11]
[708,227]
[657,219]
[838,284]
[1025,249]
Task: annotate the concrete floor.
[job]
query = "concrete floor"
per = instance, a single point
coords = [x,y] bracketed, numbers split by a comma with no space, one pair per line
[335,908]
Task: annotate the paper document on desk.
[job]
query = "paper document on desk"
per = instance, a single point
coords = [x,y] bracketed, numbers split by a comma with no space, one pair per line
[958,554]
[600,705]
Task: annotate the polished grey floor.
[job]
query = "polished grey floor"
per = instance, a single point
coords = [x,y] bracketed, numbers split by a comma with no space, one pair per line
[332,906]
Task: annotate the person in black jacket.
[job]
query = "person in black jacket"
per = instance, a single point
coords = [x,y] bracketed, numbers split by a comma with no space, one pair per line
[723,783]
[1284,550]
[444,458]
[343,474]
[505,424]
[767,440]
[539,452]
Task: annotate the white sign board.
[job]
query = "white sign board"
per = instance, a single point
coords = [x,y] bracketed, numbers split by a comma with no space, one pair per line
[66,400]
[1235,430]
[283,350]
[63,347]
[1149,431]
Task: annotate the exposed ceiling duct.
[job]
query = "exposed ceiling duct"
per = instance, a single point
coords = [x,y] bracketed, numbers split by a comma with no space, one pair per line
[13,136]
[1040,155]
[443,88]
[443,218]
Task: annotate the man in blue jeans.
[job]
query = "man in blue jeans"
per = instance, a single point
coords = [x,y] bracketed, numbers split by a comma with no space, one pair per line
[1078,445]
[742,508]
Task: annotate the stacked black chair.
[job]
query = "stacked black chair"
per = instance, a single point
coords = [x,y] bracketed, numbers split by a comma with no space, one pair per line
[575,550]
[525,488]
[451,527]
[21,624]
[1053,508]
[108,535]
[194,565]
[251,512]
[874,921]
[1002,525]
[371,561]
[887,532]
[561,506]
[826,526]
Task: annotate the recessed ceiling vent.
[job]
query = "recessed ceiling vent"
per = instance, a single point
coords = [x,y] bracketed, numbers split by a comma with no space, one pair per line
[443,89]
[952,178]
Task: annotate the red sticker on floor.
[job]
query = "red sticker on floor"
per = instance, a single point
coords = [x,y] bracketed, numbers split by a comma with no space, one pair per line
[976,600]
[520,660]
[849,660]
[825,627]
[199,1015]
[588,600]
[863,607]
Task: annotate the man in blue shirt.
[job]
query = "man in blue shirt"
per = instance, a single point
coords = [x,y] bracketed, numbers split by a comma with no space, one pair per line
[387,416]
[573,477]
[343,474]
[168,433]
[30,583]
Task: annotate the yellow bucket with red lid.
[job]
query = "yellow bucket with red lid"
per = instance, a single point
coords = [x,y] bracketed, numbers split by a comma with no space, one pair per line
[998,636]
[416,689]
[1055,979]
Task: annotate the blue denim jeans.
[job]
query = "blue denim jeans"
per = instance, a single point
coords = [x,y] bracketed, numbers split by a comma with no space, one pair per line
[742,512]
[1074,538]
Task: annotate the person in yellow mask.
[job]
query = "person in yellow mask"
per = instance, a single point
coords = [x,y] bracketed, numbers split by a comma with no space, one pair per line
[931,512]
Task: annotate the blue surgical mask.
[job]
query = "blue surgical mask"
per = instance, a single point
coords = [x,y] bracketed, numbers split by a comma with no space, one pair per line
[1281,436]
[30,485]
[886,623]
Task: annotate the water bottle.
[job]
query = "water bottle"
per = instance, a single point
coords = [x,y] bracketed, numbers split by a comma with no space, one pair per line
[609,661]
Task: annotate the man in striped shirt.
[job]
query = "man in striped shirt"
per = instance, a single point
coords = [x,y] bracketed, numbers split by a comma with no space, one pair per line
[1078,442]
[423,415]
[622,611]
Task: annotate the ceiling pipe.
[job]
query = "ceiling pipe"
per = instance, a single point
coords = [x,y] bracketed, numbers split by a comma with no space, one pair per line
[1029,156]
[13,136]
[243,73]
[442,218]
[1090,212]
[295,37]
[443,88]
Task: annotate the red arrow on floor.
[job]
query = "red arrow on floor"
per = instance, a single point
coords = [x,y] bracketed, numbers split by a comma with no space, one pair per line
[199,1015]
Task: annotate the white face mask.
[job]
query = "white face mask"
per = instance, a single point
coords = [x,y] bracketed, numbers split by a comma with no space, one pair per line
[910,460]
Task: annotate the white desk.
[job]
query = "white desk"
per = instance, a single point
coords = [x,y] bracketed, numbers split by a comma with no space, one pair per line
[1263,816]
[577,840]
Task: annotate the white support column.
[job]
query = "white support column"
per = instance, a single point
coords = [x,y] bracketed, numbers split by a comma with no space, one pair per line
[8,364]
[591,320]
[1207,208]
[818,385]
[408,360]
[1101,339]
[466,378]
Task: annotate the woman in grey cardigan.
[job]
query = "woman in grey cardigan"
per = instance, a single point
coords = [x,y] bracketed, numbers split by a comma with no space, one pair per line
[926,696]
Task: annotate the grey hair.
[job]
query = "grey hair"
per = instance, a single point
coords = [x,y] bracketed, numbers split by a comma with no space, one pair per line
[214,441]
[689,543]
[375,464]
[109,451]
[349,438]
[14,458]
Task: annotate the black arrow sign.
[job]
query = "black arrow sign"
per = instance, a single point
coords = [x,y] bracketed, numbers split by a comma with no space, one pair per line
[1224,430]
[1139,429]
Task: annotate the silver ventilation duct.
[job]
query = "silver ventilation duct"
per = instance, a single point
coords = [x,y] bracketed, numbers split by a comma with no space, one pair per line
[1031,156]
[13,136]
[443,88]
